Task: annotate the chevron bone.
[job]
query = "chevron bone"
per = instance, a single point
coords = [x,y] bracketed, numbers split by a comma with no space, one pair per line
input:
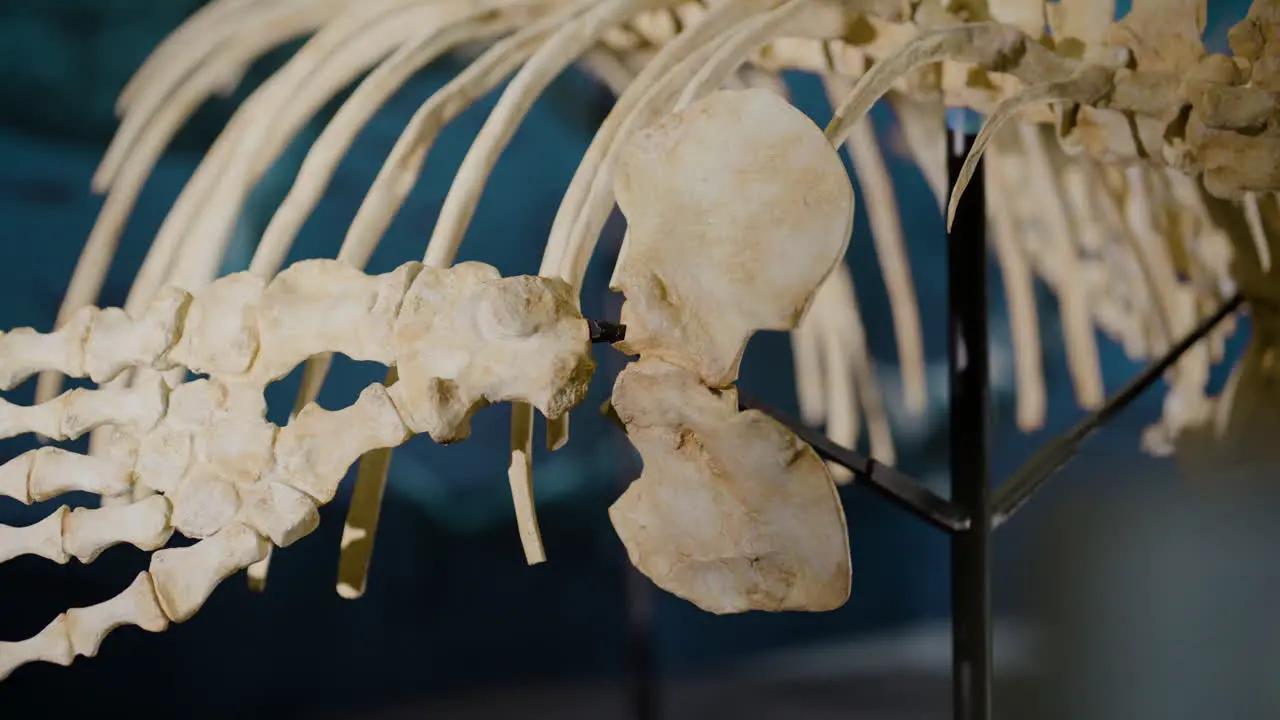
[461,338]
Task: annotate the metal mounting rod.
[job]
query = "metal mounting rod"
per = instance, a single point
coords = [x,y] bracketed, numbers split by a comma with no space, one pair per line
[1033,474]
[972,513]
[898,488]
[967,372]
[603,331]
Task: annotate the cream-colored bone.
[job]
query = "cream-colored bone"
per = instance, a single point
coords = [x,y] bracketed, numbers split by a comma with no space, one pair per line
[573,238]
[463,337]
[185,577]
[397,176]
[1026,15]
[86,532]
[1082,22]
[190,42]
[192,239]
[204,502]
[394,181]
[886,231]
[40,474]
[80,631]
[250,332]
[590,196]
[923,128]
[1091,82]
[98,344]
[704,70]
[580,217]
[24,351]
[849,370]
[86,627]
[732,512]
[361,526]
[117,342]
[561,48]
[75,412]
[806,355]
[1078,333]
[520,480]
[716,516]
[174,82]
[1151,91]
[463,340]
[1019,287]
[1225,140]
[314,451]
[477,21]
[734,48]
[667,60]
[220,334]
[328,306]
[791,191]
[281,512]
[212,427]
[43,539]
[231,478]
[890,22]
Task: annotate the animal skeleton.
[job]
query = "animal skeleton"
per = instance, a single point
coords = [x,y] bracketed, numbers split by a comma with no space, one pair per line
[1154,161]
[460,337]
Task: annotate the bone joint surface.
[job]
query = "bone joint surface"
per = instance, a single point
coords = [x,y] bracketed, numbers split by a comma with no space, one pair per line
[461,338]
[732,512]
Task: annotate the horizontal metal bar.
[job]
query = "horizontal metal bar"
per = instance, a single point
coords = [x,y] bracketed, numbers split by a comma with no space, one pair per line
[898,488]
[1013,494]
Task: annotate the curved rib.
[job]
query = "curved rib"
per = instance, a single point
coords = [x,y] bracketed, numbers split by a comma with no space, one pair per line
[886,231]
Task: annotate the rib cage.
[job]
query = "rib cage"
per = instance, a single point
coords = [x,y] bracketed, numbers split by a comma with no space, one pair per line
[1109,244]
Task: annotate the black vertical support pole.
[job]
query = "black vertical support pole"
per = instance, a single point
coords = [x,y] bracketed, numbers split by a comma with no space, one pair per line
[967,366]
[642,682]
[642,675]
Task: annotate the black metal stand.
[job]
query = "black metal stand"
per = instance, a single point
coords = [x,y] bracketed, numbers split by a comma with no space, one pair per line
[971,514]
[642,675]
[1015,492]
[967,372]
